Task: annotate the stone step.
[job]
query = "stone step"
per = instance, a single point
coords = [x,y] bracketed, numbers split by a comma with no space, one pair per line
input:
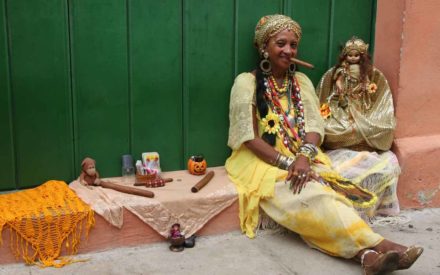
[419,183]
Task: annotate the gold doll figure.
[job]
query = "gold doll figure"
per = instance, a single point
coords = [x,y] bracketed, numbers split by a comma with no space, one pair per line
[358,112]
[352,74]
[357,104]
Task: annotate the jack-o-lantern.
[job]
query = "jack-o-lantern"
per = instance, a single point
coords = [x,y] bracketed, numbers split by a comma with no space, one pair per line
[197,165]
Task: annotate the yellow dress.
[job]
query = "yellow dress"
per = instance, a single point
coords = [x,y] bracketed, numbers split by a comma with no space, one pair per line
[325,219]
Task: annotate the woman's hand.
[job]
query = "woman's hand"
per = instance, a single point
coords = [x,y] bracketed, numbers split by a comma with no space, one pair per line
[299,174]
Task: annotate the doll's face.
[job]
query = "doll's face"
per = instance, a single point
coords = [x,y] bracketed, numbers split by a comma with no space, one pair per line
[91,171]
[353,57]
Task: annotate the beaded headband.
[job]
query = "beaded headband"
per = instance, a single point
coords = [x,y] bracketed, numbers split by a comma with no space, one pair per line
[271,25]
[355,44]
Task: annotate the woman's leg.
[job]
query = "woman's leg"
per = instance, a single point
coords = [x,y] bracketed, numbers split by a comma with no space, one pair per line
[323,218]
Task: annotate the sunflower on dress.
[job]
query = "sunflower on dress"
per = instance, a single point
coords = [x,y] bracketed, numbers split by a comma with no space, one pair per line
[271,123]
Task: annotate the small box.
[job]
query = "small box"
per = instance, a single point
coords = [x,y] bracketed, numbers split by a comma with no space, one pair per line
[151,161]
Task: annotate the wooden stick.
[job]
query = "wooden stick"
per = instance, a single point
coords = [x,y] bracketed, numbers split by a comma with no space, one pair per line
[127,189]
[302,63]
[196,188]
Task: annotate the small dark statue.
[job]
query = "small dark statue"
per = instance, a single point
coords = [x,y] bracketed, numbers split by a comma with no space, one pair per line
[178,241]
[176,238]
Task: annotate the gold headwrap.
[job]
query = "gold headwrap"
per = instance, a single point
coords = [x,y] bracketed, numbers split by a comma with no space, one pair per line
[355,44]
[271,25]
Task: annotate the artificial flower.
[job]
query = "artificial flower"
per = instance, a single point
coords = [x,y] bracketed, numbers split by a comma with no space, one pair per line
[271,123]
[325,111]
[372,88]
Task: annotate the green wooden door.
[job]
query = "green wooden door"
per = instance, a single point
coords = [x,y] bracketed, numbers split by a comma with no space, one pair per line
[103,78]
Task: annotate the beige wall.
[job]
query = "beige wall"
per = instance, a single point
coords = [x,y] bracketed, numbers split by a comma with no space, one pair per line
[407,51]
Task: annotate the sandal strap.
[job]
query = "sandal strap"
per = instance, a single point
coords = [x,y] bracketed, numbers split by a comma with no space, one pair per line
[366,252]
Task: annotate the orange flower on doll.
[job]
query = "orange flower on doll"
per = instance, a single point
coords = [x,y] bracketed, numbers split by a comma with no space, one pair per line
[372,88]
[325,111]
[271,123]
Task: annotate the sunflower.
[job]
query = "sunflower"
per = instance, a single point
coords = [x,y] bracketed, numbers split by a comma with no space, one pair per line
[271,123]
[325,111]
[372,88]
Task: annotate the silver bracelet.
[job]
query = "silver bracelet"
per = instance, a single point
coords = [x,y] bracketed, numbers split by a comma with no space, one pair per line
[309,150]
[284,162]
[277,159]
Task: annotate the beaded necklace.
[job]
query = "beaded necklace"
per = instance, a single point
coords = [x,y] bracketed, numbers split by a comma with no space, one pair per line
[283,89]
[288,121]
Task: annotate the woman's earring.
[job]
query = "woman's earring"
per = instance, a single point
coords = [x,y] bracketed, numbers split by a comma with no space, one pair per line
[292,68]
[265,65]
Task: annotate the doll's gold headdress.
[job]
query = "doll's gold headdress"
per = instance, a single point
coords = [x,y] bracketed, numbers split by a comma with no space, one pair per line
[271,25]
[355,44]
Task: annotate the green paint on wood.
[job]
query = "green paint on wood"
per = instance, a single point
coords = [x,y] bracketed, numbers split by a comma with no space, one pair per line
[7,174]
[100,82]
[156,84]
[208,58]
[41,95]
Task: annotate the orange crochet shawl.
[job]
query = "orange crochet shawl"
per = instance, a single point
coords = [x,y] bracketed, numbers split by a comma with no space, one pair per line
[42,219]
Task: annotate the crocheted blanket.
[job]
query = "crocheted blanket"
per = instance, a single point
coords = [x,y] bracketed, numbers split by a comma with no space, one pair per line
[42,219]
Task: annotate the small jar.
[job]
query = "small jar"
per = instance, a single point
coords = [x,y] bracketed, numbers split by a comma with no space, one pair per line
[127,169]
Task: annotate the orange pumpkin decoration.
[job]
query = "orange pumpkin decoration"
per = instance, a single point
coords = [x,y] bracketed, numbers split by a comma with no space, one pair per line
[197,165]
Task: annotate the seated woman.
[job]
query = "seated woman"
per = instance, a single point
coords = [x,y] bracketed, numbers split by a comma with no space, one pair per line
[275,128]
[358,112]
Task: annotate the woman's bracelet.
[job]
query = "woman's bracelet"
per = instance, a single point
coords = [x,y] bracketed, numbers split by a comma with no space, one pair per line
[308,150]
[277,159]
[284,162]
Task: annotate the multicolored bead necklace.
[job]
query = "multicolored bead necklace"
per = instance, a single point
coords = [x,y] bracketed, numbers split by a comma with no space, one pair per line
[288,122]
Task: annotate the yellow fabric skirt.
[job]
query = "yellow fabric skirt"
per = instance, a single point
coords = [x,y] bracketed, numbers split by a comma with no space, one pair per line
[325,219]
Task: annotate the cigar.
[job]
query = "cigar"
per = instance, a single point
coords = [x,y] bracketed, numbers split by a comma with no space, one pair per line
[127,190]
[196,188]
[302,63]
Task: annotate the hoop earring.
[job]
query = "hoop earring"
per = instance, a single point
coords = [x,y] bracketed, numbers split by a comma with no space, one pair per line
[292,68]
[265,65]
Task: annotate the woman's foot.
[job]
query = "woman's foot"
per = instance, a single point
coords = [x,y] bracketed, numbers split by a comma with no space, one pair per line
[375,263]
[408,257]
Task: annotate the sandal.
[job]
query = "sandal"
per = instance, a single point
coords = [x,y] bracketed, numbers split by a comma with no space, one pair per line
[408,257]
[190,242]
[386,262]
